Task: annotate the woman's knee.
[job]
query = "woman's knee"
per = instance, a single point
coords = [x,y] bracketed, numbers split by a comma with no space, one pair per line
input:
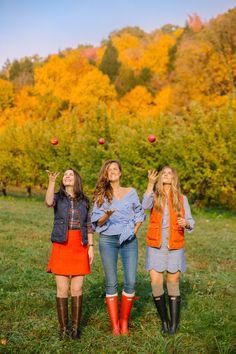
[62,290]
[62,283]
[156,277]
[173,277]
[76,287]
[76,291]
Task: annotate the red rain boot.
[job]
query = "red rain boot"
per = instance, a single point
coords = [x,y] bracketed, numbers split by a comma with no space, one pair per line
[112,306]
[126,306]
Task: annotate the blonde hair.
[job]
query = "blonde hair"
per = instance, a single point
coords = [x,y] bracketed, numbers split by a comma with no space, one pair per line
[160,195]
[103,187]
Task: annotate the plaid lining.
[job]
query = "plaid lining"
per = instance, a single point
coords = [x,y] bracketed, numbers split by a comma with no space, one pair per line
[74,217]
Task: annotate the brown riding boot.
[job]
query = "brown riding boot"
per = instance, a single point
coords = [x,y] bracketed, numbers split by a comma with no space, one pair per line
[62,311]
[76,309]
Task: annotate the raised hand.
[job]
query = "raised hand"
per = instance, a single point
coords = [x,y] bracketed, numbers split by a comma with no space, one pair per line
[106,215]
[108,212]
[52,175]
[152,176]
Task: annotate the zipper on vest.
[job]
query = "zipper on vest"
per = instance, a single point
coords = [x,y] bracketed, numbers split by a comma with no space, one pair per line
[67,223]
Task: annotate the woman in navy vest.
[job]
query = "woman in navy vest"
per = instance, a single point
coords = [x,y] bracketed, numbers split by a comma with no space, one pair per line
[72,246]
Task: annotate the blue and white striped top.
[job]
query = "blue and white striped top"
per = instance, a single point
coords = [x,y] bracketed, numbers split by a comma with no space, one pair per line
[128,212]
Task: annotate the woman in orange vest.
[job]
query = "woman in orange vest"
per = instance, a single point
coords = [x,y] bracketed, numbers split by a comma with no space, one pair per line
[169,217]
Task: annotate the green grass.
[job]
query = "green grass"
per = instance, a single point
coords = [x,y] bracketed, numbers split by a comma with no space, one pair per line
[28,321]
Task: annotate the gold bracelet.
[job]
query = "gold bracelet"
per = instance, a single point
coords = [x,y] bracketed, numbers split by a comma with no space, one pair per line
[91,245]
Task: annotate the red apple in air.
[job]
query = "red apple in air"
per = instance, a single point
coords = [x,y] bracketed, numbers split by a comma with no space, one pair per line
[151,138]
[54,141]
[101,141]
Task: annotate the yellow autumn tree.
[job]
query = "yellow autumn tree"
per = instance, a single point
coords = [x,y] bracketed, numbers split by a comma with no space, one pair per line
[92,90]
[130,49]
[6,94]
[72,78]
[6,102]
[200,74]
[163,100]
[25,104]
[156,55]
[137,104]
[59,75]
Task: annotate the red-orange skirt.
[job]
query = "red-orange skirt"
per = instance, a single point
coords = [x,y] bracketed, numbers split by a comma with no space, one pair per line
[70,258]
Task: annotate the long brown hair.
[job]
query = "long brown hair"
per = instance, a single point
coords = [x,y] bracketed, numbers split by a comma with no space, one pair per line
[103,187]
[160,195]
[77,188]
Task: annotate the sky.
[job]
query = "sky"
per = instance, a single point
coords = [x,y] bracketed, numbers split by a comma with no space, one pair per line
[43,27]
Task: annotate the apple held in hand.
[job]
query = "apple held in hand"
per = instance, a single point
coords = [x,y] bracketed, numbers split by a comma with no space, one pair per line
[151,138]
[54,141]
[101,141]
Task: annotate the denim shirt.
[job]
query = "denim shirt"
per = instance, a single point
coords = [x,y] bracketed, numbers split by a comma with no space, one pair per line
[128,212]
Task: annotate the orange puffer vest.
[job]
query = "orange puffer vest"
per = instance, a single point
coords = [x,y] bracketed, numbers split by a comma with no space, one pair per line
[176,232]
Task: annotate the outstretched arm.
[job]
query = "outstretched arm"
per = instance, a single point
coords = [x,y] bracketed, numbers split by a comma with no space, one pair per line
[49,198]
[152,178]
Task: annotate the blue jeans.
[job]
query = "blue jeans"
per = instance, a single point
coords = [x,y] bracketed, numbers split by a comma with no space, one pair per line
[109,248]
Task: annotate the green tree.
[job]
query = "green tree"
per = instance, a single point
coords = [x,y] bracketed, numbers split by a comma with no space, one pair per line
[110,64]
[21,73]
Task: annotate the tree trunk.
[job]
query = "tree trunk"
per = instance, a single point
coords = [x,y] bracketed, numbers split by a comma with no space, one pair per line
[29,194]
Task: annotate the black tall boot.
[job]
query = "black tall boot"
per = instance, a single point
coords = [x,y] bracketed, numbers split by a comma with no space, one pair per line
[174,304]
[76,310]
[162,310]
[62,311]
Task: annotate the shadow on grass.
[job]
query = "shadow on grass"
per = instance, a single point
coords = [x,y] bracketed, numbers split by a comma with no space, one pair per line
[186,290]
[94,301]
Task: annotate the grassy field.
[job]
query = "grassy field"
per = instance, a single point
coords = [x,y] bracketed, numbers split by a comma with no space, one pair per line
[28,322]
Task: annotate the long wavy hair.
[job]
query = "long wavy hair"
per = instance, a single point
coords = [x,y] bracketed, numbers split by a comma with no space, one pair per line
[77,188]
[160,195]
[103,188]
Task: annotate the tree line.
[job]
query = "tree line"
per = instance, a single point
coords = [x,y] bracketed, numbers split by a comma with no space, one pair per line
[176,83]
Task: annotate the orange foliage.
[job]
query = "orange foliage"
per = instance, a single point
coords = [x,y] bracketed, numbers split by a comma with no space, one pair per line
[194,22]
[59,75]
[93,89]
[130,50]
[25,101]
[163,100]
[174,66]
[156,55]
[6,94]
[136,103]
[202,74]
